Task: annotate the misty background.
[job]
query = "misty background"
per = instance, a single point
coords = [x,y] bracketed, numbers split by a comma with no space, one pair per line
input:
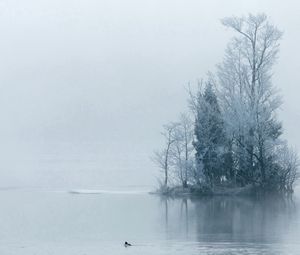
[85,86]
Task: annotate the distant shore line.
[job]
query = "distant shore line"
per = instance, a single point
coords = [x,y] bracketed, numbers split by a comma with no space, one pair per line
[205,191]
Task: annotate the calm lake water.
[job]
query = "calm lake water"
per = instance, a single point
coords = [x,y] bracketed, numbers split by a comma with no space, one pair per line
[60,222]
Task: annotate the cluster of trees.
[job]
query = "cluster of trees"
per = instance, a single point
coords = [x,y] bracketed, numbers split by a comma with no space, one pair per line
[177,157]
[233,136]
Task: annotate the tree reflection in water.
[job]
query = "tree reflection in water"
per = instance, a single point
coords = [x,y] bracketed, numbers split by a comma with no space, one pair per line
[229,219]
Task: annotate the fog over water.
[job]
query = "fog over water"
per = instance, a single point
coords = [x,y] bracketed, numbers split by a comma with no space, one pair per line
[45,222]
[86,85]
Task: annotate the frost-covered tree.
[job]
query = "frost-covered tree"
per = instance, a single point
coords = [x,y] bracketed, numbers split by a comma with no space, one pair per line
[249,100]
[283,168]
[209,135]
[176,159]
[162,157]
[182,149]
[237,135]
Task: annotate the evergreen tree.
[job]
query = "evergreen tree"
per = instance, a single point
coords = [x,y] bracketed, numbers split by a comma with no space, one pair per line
[209,135]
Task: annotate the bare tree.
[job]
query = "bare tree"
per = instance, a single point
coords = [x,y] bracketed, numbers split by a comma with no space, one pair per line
[162,157]
[176,158]
[247,92]
[288,162]
[182,149]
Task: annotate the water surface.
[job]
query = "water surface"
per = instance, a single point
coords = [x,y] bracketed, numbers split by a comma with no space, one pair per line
[62,222]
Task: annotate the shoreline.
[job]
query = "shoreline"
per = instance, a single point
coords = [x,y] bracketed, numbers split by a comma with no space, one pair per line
[197,191]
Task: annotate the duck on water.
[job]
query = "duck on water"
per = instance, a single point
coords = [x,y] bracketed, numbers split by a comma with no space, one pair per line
[126,244]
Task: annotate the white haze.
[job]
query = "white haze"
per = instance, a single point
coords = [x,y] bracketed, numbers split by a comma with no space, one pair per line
[86,85]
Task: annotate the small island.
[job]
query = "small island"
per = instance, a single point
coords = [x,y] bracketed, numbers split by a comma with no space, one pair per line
[230,142]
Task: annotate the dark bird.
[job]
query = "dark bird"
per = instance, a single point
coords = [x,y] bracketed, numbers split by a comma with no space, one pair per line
[127,244]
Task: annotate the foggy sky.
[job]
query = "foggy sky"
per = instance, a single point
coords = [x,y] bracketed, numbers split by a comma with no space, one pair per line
[110,73]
